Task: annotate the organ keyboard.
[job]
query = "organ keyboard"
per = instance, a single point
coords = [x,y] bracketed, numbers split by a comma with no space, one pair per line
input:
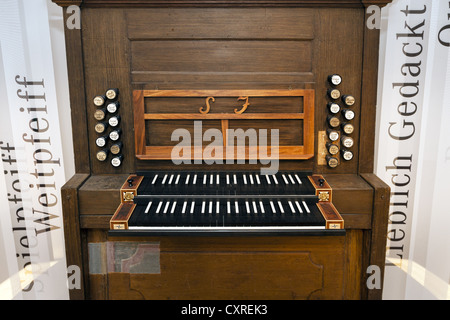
[234,202]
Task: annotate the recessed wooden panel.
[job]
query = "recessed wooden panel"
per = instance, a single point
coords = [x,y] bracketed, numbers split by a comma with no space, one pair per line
[170,105]
[159,132]
[239,268]
[213,58]
[290,132]
[212,23]
[190,48]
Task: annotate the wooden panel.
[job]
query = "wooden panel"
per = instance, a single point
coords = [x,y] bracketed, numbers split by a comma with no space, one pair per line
[341,47]
[75,72]
[353,198]
[377,236]
[98,282]
[354,267]
[101,194]
[213,23]
[106,65]
[202,49]
[220,55]
[167,106]
[368,99]
[73,236]
[239,268]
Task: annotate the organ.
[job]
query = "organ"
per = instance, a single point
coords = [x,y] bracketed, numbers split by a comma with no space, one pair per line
[224,150]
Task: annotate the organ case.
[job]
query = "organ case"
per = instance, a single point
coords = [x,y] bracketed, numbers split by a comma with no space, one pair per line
[152,46]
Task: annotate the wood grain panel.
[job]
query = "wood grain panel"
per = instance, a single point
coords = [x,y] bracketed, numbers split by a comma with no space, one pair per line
[72,231]
[180,56]
[239,268]
[340,51]
[106,65]
[215,23]
[273,105]
[241,275]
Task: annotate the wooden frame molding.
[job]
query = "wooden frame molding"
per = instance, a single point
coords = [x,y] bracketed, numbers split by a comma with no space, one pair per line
[223,3]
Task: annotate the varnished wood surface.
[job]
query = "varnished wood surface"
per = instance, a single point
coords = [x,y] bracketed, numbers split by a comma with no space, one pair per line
[239,268]
[376,238]
[72,229]
[222,3]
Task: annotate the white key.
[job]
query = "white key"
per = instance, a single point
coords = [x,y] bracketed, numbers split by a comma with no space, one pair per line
[184,207]
[192,207]
[154,179]
[275,179]
[159,207]
[164,179]
[284,178]
[306,207]
[298,206]
[234,179]
[292,179]
[280,206]
[187,179]
[148,207]
[211,179]
[245,178]
[217,179]
[171,178]
[251,179]
[194,181]
[210,207]
[178,179]
[204,178]
[203,207]
[228,207]
[228,179]
[257,179]
[267,178]
[291,206]
[254,207]
[298,179]
[166,207]
[261,206]
[173,207]
[247,207]
[217,207]
[273,207]
[236,206]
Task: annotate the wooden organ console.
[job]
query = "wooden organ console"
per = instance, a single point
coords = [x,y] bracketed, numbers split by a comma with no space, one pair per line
[224,150]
